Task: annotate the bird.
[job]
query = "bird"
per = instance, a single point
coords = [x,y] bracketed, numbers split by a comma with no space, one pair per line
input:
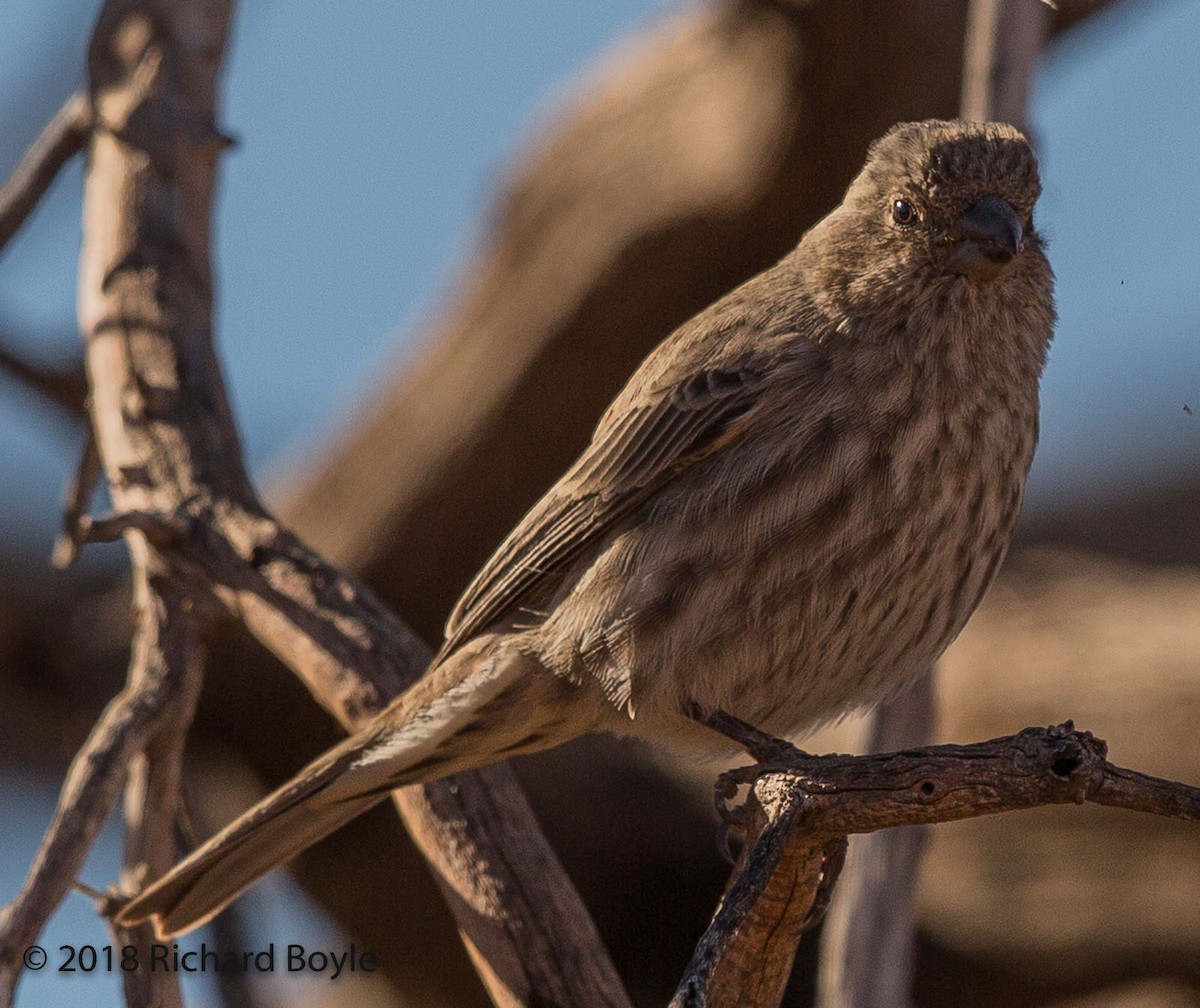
[790,510]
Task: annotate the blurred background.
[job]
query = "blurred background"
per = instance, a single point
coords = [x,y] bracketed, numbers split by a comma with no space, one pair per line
[446,235]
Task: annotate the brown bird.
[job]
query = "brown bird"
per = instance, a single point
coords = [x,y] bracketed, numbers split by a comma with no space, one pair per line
[791,509]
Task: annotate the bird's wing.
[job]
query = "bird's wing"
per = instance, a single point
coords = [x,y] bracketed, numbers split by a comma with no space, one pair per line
[642,442]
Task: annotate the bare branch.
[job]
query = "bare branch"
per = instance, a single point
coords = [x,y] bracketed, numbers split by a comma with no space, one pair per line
[164,635]
[61,138]
[745,956]
[1003,40]
[159,530]
[802,804]
[79,492]
[65,387]
[152,797]
[1129,789]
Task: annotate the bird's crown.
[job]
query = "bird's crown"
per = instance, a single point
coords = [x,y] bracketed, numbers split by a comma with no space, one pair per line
[953,163]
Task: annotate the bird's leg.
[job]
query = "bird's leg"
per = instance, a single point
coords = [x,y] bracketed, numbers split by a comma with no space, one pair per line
[733,785]
[762,746]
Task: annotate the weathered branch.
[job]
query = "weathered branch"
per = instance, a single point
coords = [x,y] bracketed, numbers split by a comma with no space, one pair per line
[65,387]
[62,137]
[83,482]
[1139,792]
[1003,41]
[800,805]
[745,956]
[152,798]
[197,531]
[164,634]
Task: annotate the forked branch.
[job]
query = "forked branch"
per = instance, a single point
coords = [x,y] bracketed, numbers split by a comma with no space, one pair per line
[798,809]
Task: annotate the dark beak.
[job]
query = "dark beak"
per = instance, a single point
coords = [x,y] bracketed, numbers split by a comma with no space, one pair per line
[986,239]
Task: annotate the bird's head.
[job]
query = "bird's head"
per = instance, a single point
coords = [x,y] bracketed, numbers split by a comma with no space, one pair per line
[938,205]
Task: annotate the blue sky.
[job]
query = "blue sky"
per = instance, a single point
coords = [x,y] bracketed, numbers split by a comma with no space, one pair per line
[369,146]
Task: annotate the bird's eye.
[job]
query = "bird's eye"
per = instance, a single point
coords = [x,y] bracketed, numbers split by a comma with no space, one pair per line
[903,212]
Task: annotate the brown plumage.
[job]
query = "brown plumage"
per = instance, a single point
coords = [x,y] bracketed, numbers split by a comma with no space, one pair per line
[792,508]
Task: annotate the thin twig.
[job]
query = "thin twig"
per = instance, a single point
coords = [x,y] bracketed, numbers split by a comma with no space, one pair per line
[65,387]
[92,786]
[152,793]
[61,138]
[71,538]
[1129,789]
[161,530]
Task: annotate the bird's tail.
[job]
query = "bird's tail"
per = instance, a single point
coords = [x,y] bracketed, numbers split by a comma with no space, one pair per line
[213,875]
[477,707]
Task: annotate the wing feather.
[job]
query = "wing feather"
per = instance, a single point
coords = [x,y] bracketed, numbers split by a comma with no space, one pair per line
[632,454]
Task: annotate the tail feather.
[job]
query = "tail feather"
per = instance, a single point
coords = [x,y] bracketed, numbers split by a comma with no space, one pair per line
[209,880]
[286,822]
[476,707]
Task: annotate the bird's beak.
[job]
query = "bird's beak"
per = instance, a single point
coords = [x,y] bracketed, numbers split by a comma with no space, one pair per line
[985,239]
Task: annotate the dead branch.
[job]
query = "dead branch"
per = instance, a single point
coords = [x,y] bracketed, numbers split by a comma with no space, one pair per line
[163,638]
[152,800]
[75,502]
[799,806]
[64,386]
[62,137]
